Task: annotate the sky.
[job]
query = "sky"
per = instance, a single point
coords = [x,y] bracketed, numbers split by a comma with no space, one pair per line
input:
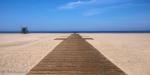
[75,15]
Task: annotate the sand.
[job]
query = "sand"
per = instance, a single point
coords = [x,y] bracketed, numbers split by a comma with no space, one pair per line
[130,52]
[19,53]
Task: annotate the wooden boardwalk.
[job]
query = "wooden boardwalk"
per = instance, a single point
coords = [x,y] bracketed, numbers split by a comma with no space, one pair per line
[75,56]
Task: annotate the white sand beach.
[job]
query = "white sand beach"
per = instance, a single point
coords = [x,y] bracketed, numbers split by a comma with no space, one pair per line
[19,53]
[130,52]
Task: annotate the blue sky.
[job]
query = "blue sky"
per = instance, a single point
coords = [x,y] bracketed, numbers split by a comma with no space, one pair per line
[75,15]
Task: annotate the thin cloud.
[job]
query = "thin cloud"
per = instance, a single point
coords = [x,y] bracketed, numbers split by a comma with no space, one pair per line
[76,4]
[71,5]
[89,5]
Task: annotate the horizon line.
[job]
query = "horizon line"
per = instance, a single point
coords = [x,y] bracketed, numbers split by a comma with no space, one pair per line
[77,31]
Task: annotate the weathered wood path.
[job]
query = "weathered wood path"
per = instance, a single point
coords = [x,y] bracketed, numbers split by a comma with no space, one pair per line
[75,56]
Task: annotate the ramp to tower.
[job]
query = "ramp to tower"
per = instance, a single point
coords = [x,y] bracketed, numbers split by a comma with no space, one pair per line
[75,56]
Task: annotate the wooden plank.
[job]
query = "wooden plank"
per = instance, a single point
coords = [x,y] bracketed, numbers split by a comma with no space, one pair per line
[75,56]
[66,38]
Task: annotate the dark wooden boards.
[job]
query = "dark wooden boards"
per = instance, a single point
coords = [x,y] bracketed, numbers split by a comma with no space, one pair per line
[75,56]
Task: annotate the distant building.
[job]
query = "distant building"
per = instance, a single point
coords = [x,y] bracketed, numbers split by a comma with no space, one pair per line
[24,30]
